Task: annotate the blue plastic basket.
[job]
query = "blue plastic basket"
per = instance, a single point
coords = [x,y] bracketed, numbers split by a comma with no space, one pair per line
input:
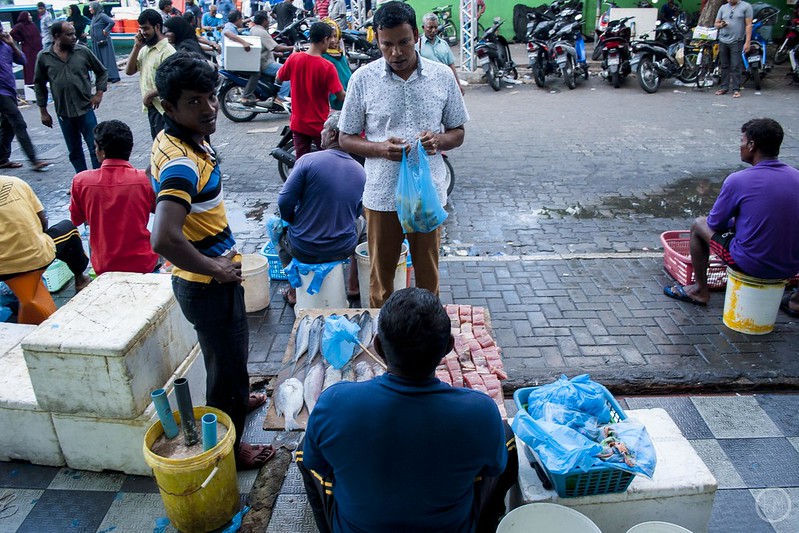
[276,271]
[599,479]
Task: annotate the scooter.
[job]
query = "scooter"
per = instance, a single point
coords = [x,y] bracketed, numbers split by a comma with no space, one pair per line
[790,39]
[493,55]
[568,51]
[359,49]
[284,154]
[754,61]
[793,56]
[614,48]
[232,89]
[664,57]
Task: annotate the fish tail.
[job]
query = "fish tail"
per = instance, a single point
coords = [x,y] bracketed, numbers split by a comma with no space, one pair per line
[292,425]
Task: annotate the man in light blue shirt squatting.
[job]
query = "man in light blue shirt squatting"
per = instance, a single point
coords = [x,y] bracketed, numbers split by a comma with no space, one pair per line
[433,47]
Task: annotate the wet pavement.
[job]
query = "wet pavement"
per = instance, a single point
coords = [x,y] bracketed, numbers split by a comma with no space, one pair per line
[554,226]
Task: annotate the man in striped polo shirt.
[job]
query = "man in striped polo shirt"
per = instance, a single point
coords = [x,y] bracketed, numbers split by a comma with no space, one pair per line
[192,232]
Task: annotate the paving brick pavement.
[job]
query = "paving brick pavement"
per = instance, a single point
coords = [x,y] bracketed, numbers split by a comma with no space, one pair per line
[555,177]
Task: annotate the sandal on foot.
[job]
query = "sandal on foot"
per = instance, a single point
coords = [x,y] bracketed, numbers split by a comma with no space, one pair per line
[785,305]
[736,94]
[290,296]
[41,166]
[10,164]
[257,399]
[678,293]
[253,456]
[721,91]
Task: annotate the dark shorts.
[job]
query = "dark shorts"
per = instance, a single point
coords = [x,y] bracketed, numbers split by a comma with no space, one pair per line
[286,253]
[720,246]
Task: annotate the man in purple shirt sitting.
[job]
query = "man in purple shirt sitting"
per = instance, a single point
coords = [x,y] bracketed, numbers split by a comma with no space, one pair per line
[321,201]
[754,224]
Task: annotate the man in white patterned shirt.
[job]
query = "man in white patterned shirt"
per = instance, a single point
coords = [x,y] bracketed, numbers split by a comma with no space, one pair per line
[395,101]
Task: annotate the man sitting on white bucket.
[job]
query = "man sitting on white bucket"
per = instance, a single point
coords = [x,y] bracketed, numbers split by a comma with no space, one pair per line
[754,224]
[404,451]
[321,202]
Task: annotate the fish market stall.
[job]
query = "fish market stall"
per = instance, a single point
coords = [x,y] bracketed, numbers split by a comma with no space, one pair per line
[475,361]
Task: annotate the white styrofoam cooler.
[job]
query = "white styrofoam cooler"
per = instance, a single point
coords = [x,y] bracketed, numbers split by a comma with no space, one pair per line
[239,60]
[92,443]
[29,434]
[681,491]
[103,352]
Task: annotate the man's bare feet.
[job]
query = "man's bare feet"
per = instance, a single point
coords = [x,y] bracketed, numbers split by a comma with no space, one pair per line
[81,282]
[40,166]
[253,456]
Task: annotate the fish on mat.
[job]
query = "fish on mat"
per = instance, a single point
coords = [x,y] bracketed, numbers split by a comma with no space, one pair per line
[288,402]
[363,371]
[301,339]
[348,372]
[378,370]
[366,333]
[332,375]
[312,387]
[315,338]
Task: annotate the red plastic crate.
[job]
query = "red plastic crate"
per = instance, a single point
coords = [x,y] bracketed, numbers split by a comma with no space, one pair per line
[677,261]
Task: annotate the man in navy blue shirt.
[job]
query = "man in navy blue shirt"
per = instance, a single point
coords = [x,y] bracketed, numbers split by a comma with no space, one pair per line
[321,200]
[404,451]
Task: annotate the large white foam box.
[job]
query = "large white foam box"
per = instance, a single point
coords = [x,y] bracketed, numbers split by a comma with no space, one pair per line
[239,60]
[96,443]
[102,353]
[29,434]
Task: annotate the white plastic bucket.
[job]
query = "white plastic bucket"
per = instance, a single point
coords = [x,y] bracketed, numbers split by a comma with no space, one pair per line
[658,527]
[751,304]
[332,293]
[364,267]
[546,518]
[255,271]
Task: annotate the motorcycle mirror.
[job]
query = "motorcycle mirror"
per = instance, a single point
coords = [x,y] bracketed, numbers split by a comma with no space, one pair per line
[654,1]
[497,20]
[754,21]
[786,17]
[657,23]
[578,16]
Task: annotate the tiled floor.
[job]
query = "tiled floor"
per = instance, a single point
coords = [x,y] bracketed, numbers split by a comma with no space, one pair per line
[750,443]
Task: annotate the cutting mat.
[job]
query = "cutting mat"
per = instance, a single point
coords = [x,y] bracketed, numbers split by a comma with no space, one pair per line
[274,422]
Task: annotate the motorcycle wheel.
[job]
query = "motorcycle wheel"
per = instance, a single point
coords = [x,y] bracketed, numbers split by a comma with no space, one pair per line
[690,70]
[493,76]
[569,75]
[584,68]
[229,98]
[450,177]
[596,54]
[781,55]
[450,34]
[282,168]
[647,76]
[616,80]
[755,72]
[514,74]
[538,74]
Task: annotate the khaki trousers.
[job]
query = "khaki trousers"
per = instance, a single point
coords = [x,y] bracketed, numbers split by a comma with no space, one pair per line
[384,234]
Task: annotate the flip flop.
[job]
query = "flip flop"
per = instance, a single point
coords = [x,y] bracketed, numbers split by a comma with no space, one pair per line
[784,305]
[736,94]
[252,456]
[721,91]
[257,399]
[11,164]
[678,293]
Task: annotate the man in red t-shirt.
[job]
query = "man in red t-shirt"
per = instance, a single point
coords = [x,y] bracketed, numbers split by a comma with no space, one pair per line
[313,79]
[115,200]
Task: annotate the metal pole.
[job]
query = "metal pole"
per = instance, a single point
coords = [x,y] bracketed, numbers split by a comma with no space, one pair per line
[468,29]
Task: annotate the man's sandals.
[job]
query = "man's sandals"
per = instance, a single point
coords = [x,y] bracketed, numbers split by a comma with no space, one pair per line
[785,305]
[678,293]
[253,456]
[257,399]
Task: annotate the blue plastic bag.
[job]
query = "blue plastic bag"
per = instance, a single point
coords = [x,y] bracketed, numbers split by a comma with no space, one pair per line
[587,425]
[275,228]
[295,270]
[339,339]
[578,393]
[642,453]
[418,207]
[560,448]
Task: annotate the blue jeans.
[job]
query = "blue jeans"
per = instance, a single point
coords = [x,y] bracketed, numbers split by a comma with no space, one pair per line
[73,128]
[270,70]
[216,310]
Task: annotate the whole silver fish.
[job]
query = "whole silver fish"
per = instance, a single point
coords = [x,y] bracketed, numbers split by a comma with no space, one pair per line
[348,372]
[315,338]
[363,371]
[288,402]
[301,339]
[367,329]
[332,375]
[312,387]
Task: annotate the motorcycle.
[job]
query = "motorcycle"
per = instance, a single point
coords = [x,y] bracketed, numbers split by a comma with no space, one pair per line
[754,61]
[493,55]
[614,48]
[284,154]
[568,51]
[789,40]
[664,57]
[793,56]
[295,34]
[544,23]
[232,89]
[359,49]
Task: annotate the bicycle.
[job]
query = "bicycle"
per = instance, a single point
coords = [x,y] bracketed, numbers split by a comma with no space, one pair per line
[707,60]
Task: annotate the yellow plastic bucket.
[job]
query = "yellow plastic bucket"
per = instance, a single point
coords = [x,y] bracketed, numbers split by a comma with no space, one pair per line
[751,304]
[200,493]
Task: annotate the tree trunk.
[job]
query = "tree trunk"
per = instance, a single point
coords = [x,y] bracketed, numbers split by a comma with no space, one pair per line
[708,16]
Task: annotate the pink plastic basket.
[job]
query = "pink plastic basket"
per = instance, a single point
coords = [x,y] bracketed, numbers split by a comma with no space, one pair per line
[677,261]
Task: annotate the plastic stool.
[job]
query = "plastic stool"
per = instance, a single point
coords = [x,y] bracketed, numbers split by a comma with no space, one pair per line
[35,302]
[332,294]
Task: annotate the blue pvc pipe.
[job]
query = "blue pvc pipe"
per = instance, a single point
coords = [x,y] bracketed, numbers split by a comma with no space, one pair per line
[209,431]
[164,413]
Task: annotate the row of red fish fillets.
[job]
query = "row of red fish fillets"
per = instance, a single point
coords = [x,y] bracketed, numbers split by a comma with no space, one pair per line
[475,362]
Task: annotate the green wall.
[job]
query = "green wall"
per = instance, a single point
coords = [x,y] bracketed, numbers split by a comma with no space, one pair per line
[504,9]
